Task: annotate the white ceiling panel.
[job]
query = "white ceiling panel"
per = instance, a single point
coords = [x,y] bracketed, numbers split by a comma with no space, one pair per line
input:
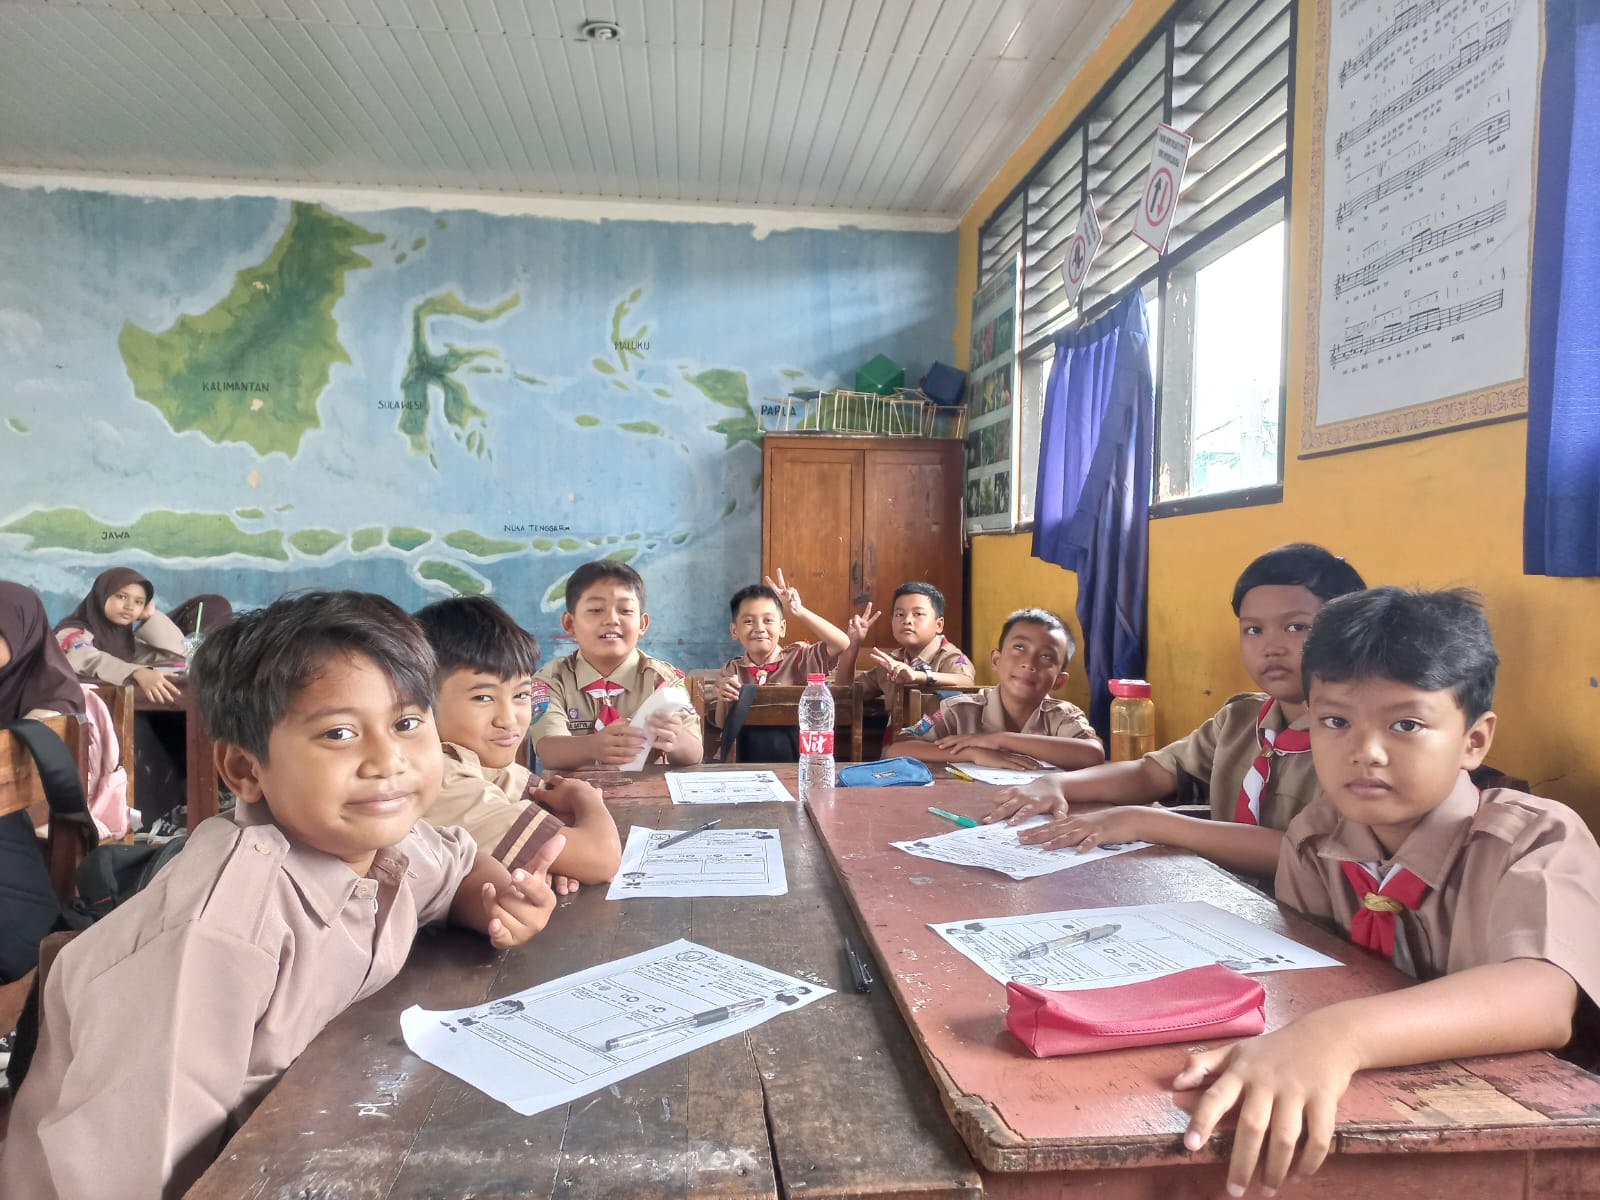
[892,107]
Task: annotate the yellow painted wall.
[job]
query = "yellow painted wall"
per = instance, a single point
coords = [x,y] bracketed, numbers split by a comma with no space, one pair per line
[1444,510]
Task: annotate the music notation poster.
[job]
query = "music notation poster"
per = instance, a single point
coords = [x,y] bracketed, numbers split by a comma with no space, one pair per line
[1422,256]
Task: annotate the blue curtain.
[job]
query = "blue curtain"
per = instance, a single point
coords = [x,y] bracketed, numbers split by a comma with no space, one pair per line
[1561,514]
[1092,504]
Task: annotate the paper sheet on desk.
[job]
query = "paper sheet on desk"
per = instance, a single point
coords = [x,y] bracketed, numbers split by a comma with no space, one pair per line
[714,862]
[726,787]
[546,1046]
[996,847]
[1003,776]
[662,700]
[1154,940]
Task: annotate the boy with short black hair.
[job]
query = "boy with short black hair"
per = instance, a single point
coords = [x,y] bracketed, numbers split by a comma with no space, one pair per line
[1017,723]
[922,654]
[1251,756]
[166,1022]
[591,694]
[1487,898]
[486,703]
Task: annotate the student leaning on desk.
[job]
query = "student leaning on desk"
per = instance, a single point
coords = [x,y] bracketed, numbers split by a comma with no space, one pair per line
[1253,753]
[117,635]
[1016,723]
[1489,898]
[164,1024]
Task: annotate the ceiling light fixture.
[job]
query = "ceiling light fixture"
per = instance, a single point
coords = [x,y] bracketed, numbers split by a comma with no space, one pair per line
[600,31]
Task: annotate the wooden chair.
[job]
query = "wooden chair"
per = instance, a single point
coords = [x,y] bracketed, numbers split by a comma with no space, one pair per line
[120,701]
[21,788]
[918,699]
[779,705]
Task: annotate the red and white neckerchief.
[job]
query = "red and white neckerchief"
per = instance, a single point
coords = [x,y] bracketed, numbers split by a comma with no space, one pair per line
[1374,925]
[1247,809]
[759,672]
[604,693]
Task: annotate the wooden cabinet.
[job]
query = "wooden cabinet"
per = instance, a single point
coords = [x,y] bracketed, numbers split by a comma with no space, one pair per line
[852,518]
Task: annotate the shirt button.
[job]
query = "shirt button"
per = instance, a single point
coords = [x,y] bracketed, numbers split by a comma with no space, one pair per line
[263,848]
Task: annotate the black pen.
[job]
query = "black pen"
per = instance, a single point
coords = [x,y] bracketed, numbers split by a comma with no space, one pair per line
[860,973]
[688,833]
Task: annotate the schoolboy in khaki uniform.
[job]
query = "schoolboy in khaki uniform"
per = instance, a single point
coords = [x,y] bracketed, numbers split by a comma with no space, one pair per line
[923,654]
[163,1025]
[758,625]
[486,665]
[1017,723]
[1252,754]
[1489,900]
[590,694]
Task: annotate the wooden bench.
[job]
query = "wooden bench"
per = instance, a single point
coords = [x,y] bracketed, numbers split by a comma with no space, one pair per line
[22,789]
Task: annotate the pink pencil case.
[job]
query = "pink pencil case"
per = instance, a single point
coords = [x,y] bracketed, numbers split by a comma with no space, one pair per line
[1202,1002]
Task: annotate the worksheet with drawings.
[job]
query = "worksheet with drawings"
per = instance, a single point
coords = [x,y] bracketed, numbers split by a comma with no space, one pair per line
[996,847]
[1151,940]
[711,862]
[547,1045]
[726,787]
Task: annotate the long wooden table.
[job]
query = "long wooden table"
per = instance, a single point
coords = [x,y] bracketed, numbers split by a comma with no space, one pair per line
[828,1101]
[649,786]
[1108,1124]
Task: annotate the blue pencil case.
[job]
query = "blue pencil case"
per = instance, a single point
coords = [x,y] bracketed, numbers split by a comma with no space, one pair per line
[886,772]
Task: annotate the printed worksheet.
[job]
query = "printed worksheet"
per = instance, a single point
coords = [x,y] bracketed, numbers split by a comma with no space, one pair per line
[996,847]
[726,787]
[715,862]
[547,1045]
[1152,940]
[1003,776]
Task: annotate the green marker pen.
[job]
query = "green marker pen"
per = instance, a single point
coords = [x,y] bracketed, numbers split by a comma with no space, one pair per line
[964,822]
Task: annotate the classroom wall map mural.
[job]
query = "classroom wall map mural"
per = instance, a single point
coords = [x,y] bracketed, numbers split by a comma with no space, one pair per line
[249,395]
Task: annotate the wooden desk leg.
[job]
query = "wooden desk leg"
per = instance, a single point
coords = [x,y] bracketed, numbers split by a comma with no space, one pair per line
[201,786]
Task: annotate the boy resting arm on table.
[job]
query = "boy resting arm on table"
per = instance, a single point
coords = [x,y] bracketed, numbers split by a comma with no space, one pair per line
[1015,724]
[1488,898]
[1253,754]
[164,1024]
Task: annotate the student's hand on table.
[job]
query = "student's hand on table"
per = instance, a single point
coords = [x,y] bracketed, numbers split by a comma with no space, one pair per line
[668,731]
[564,796]
[1042,795]
[790,596]
[859,624]
[517,910]
[563,885]
[1089,831]
[1286,1085]
[728,688]
[900,672]
[1005,760]
[960,743]
[155,686]
[618,743]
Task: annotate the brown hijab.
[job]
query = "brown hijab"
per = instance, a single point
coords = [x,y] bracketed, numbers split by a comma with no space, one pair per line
[208,609]
[115,640]
[37,675]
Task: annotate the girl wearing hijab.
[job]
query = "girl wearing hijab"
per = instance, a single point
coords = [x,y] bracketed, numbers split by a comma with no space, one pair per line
[35,679]
[117,635]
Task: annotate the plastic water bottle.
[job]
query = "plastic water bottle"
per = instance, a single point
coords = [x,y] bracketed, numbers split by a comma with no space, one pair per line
[816,735]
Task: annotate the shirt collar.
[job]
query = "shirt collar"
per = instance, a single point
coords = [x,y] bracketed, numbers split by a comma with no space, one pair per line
[1430,849]
[586,674]
[324,882]
[1276,722]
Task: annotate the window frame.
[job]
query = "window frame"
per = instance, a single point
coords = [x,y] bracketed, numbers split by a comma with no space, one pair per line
[1279,192]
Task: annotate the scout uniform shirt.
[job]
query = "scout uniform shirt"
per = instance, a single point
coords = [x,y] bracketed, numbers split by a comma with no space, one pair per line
[498,808]
[1220,752]
[164,1025]
[941,656]
[158,643]
[574,693]
[982,712]
[789,666]
[1507,875]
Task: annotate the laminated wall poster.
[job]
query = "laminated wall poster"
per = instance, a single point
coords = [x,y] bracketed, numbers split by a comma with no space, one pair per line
[1425,118]
[991,405]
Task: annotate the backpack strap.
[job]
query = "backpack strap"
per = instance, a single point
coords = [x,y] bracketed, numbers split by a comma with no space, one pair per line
[58,775]
[736,716]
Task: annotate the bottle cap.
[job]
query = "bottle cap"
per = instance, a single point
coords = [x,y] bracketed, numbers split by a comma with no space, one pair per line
[816,679]
[1128,687]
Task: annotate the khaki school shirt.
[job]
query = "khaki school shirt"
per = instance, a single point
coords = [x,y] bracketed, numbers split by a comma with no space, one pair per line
[1221,751]
[495,806]
[561,706]
[157,643]
[164,1024]
[941,656]
[982,712]
[1509,876]
[790,666]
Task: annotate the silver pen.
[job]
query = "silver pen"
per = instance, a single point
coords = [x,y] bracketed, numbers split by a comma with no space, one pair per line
[689,833]
[710,1017]
[1067,941]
